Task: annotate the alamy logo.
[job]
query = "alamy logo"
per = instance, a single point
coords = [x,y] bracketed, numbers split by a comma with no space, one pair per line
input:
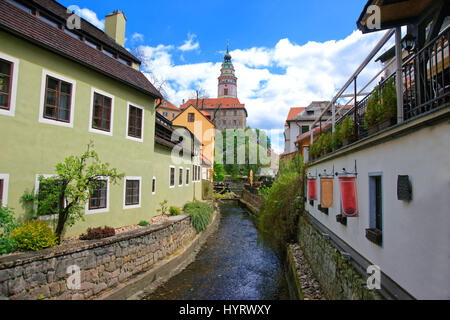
[74,280]
[374,17]
[374,280]
[74,21]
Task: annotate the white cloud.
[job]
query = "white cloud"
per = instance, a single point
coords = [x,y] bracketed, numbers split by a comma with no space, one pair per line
[190,44]
[270,80]
[137,37]
[91,17]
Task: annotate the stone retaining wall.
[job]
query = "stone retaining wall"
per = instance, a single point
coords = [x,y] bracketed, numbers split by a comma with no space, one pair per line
[104,264]
[338,279]
[252,201]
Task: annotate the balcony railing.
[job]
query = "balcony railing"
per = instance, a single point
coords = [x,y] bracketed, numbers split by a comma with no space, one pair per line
[425,86]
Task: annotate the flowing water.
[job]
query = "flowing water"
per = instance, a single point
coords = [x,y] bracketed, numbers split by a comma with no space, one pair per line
[236,263]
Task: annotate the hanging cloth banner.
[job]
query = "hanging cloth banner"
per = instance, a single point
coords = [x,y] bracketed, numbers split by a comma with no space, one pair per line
[349,200]
[326,192]
[312,193]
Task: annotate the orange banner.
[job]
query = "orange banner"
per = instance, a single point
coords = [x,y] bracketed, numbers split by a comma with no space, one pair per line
[326,192]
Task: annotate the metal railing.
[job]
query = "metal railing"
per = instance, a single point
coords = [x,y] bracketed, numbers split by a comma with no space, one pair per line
[425,85]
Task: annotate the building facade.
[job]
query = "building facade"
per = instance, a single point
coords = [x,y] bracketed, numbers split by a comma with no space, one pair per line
[382,199]
[227,112]
[66,88]
[167,109]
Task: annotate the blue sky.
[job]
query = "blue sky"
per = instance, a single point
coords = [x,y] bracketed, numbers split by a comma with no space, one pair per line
[286,53]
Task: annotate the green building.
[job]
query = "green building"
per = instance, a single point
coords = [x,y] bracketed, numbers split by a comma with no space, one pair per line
[62,87]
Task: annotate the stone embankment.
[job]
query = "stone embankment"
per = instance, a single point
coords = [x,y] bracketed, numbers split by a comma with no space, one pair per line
[104,265]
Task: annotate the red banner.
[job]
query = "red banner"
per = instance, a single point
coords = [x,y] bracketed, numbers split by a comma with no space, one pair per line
[349,200]
[312,190]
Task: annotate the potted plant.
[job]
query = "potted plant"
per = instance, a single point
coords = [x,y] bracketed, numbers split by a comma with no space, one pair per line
[388,112]
[371,117]
[326,143]
[348,131]
[336,138]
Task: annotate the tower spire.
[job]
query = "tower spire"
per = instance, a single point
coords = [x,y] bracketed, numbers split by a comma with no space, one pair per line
[227,80]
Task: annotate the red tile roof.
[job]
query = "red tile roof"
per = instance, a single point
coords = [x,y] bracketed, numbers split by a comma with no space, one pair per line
[226,103]
[294,112]
[168,105]
[45,35]
[60,11]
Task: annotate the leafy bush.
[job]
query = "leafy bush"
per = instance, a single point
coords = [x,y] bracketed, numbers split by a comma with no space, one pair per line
[226,195]
[348,129]
[7,225]
[144,223]
[371,117]
[34,236]
[336,140]
[164,207]
[326,142]
[389,103]
[174,211]
[98,233]
[282,206]
[201,214]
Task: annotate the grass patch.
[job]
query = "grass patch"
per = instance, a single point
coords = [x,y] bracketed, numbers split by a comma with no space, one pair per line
[201,214]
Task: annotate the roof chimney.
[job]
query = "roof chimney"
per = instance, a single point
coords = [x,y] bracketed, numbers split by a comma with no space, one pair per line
[115,26]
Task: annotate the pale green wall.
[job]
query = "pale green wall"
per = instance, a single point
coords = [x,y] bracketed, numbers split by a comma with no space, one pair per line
[29,147]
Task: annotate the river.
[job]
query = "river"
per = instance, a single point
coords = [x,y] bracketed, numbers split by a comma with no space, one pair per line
[235,263]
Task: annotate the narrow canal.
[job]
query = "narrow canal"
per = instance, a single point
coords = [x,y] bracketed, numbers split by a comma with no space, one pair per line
[236,263]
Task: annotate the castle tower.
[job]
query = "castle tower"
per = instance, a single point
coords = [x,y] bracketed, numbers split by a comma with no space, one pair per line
[227,79]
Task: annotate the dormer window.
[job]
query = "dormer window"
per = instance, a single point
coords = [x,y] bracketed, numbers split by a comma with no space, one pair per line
[91,44]
[109,53]
[21,6]
[72,34]
[48,21]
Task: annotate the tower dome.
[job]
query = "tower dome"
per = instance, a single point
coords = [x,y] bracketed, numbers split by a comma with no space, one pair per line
[227,80]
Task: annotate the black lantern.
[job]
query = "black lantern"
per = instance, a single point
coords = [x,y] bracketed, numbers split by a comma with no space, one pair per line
[408,42]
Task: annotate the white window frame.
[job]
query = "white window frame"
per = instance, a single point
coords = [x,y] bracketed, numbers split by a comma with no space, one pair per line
[143,122]
[104,210]
[180,176]
[15,74]
[154,179]
[174,178]
[93,92]
[36,191]
[136,206]
[46,73]
[188,174]
[5,178]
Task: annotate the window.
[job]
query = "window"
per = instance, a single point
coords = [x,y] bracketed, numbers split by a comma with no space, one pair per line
[21,6]
[49,21]
[109,53]
[6,69]
[191,117]
[72,34]
[4,181]
[102,112]
[188,173]
[57,100]
[154,185]
[165,114]
[91,44]
[305,129]
[126,62]
[180,178]
[173,115]
[9,67]
[1,190]
[172,177]
[135,120]
[43,190]
[132,192]
[225,92]
[99,196]
[375,232]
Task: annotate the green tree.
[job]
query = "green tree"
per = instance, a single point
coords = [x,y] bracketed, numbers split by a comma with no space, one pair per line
[67,193]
